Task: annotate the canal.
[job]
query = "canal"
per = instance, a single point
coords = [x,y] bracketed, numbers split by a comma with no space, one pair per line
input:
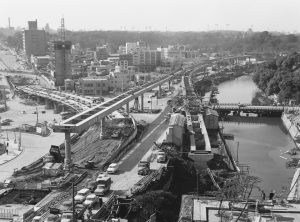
[261,141]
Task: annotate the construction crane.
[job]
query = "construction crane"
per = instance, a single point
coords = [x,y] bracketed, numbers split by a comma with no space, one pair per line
[62,30]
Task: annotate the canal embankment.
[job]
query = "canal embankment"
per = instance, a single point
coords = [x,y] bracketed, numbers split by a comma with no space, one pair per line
[290,122]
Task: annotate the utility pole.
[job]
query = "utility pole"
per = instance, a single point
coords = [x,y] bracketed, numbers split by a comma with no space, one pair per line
[4,97]
[19,146]
[73,202]
[197,182]
[237,152]
[37,116]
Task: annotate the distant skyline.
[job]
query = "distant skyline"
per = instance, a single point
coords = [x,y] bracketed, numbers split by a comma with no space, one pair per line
[155,15]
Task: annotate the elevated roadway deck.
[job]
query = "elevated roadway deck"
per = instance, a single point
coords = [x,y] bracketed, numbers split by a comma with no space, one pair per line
[85,119]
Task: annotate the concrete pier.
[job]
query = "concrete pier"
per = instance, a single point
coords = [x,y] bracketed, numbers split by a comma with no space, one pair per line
[142,102]
[127,108]
[68,160]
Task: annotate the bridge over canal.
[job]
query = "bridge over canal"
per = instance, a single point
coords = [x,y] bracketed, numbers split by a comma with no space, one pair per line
[248,108]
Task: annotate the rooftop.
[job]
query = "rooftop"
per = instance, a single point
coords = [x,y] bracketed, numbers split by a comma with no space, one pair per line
[177,120]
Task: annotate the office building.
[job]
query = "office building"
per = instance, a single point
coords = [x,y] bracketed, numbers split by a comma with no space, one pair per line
[34,40]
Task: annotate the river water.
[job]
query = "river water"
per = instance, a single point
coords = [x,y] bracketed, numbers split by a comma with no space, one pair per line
[262,141]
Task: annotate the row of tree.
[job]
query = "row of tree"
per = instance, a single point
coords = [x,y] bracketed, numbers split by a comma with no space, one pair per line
[280,76]
[234,41]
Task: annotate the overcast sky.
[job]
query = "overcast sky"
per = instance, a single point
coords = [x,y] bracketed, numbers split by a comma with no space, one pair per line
[173,15]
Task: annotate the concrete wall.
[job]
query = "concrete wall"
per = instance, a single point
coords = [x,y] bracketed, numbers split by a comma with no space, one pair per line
[291,127]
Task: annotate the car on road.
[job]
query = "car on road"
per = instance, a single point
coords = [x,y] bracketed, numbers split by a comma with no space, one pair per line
[92,185]
[91,200]
[81,195]
[37,219]
[52,218]
[161,157]
[144,167]
[112,168]
[67,217]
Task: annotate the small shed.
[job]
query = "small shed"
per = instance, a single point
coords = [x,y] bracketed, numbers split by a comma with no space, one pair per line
[52,169]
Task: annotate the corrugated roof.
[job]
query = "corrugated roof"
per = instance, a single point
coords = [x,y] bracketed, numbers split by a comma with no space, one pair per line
[211,112]
[176,120]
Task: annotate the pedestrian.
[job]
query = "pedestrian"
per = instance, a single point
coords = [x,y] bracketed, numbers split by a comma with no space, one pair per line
[7,144]
[263,195]
[272,194]
[7,151]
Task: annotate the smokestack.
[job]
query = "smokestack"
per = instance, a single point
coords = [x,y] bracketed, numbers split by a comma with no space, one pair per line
[9,22]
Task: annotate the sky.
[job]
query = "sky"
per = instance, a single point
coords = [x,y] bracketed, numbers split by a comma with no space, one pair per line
[162,15]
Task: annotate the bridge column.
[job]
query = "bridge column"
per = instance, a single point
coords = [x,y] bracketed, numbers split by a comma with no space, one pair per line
[62,108]
[159,92]
[127,108]
[142,102]
[102,122]
[40,100]
[68,159]
[48,104]
[56,108]
[136,103]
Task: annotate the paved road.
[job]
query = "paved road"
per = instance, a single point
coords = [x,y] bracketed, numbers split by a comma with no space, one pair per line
[34,147]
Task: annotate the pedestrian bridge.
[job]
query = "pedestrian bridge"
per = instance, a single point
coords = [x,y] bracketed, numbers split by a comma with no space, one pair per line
[248,108]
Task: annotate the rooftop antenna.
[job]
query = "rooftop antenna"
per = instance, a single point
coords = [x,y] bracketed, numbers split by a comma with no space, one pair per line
[62,30]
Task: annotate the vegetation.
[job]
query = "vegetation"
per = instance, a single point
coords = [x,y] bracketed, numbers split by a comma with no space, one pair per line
[280,76]
[214,41]
[163,203]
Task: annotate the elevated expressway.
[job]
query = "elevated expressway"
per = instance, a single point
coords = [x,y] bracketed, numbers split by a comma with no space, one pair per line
[75,102]
[89,117]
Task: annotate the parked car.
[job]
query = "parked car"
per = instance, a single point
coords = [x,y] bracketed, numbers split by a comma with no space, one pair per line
[101,175]
[143,168]
[37,219]
[52,218]
[92,186]
[161,157]
[112,168]
[81,195]
[67,217]
[91,200]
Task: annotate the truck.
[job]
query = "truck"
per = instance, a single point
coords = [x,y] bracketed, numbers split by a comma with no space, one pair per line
[103,186]
[143,167]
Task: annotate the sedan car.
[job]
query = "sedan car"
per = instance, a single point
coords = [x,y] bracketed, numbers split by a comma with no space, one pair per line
[112,168]
[91,200]
[81,195]
[52,218]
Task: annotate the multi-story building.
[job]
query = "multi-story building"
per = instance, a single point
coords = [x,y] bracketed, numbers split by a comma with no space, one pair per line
[132,47]
[34,40]
[119,81]
[128,57]
[122,49]
[102,52]
[123,64]
[62,51]
[96,86]
[147,60]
